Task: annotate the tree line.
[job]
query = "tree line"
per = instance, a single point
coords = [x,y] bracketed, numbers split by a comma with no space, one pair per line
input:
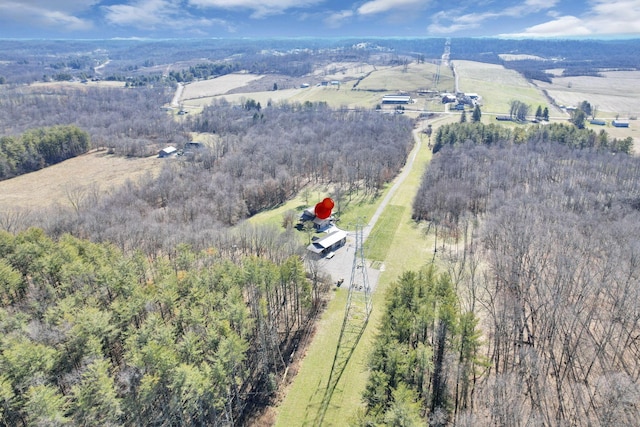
[39,148]
[539,241]
[489,134]
[93,337]
[126,122]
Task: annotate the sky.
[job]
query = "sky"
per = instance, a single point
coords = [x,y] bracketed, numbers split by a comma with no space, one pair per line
[100,19]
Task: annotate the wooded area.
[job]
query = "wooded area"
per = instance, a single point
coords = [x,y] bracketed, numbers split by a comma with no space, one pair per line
[259,160]
[126,122]
[93,337]
[538,239]
[38,148]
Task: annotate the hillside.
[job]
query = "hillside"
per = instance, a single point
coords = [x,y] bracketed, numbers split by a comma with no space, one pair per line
[106,306]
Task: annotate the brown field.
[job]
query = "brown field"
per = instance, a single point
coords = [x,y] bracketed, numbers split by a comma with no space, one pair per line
[617,93]
[344,70]
[217,86]
[76,85]
[53,185]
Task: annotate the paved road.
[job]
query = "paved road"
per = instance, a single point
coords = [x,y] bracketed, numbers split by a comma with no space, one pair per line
[340,266]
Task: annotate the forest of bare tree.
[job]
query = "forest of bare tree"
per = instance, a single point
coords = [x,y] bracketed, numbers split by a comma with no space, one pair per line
[539,242]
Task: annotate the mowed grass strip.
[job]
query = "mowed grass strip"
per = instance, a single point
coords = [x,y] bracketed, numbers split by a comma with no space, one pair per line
[304,395]
[377,246]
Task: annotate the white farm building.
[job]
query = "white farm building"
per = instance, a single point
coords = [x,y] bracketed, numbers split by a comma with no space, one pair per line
[396,99]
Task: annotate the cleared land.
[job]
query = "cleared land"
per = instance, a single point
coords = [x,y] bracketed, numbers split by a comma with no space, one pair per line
[497,85]
[218,86]
[616,93]
[408,249]
[361,86]
[54,185]
[414,77]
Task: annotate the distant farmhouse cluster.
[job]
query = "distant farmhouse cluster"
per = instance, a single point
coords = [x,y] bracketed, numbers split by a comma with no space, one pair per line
[462,100]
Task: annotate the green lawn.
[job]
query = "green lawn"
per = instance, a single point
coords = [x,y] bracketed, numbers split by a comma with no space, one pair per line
[376,248]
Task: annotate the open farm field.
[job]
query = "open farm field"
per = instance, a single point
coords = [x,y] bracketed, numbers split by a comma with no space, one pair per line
[236,98]
[217,86]
[497,85]
[616,93]
[334,96]
[416,76]
[75,85]
[53,184]
[343,70]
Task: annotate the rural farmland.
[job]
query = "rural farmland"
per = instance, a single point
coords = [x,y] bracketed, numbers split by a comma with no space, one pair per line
[184,289]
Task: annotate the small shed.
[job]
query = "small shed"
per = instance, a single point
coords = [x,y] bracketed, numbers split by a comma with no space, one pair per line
[168,152]
[620,123]
[598,122]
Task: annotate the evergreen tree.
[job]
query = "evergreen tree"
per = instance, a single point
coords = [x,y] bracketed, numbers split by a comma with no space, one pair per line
[477,114]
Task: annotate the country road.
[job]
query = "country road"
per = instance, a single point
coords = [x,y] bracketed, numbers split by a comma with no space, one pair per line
[339,267]
[175,102]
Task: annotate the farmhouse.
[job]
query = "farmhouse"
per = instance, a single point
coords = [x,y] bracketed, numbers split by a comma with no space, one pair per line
[396,99]
[319,224]
[332,241]
[447,98]
[168,152]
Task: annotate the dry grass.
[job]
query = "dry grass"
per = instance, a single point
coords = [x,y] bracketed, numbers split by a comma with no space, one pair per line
[344,70]
[497,85]
[618,92]
[52,185]
[217,86]
[75,85]
[416,76]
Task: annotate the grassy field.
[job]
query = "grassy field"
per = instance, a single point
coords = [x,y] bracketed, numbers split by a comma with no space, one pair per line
[616,93]
[217,86]
[416,76]
[498,86]
[366,94]
[93,171]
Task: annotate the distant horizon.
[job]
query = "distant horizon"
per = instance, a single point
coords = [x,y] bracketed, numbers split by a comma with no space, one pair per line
[346,37]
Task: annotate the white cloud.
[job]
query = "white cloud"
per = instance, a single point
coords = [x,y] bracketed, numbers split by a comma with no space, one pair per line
[42,13]
[143,13]
[157,15]
[379,6]
[603,18]
[461,22]
[337,19]
[261,8]
[563,26]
